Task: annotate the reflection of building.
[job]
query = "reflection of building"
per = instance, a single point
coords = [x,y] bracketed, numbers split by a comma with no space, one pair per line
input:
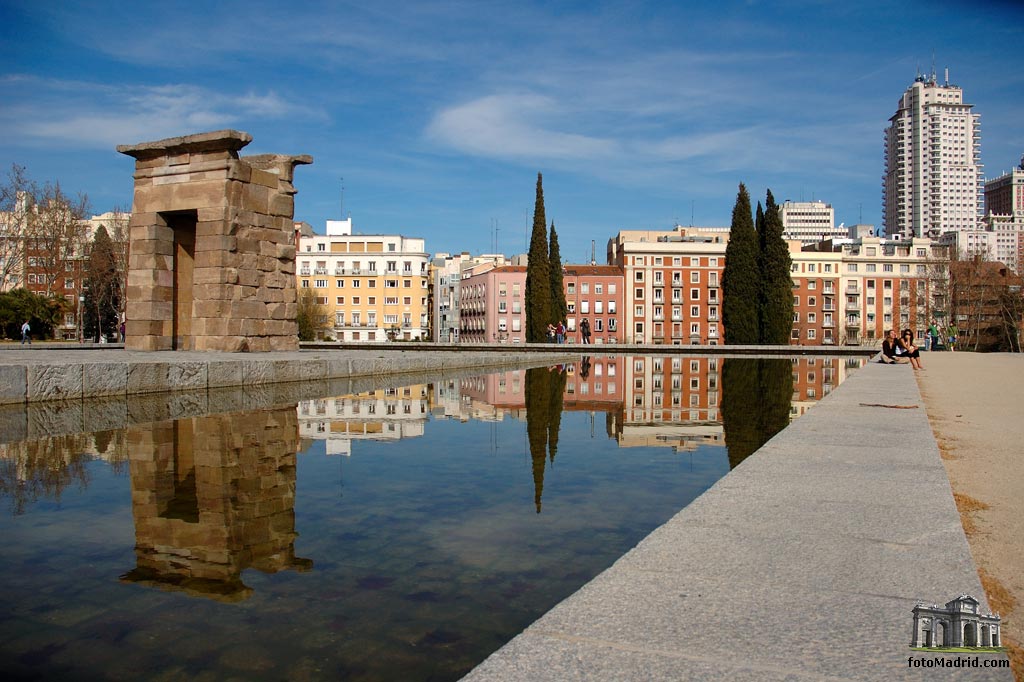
[672,280]
[384,414]
[373,286]
[957,624]
[595,383]
[813,379]
[213,496]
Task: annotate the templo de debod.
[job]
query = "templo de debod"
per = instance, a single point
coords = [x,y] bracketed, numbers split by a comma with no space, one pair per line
[212,251]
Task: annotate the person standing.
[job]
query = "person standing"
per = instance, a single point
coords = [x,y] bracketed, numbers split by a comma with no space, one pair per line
[933,335]
[585,330]
[560,333]
[953,332]
[25,329]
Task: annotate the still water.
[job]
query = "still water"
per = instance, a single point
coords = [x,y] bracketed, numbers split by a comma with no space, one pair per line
[394,534]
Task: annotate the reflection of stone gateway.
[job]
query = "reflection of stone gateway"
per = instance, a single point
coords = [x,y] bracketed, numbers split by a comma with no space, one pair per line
[213,496]
[958,624]
[212,264]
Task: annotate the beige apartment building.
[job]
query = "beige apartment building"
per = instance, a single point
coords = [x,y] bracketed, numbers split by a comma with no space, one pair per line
[374,286]
[888,284]
[809,221]
[672,282]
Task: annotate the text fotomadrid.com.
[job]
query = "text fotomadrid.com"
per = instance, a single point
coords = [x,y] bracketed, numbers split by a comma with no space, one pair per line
[957,662]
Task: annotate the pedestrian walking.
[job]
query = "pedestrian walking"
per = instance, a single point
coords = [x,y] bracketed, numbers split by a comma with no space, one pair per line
[25,329]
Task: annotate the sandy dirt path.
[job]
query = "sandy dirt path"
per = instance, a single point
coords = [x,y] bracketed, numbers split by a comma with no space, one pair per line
[975,404]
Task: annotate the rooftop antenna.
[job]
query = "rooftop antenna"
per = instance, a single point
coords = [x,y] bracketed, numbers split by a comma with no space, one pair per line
[860,214]
[933,65]
[593,252]
[691,212]
[947,75]
[342,181]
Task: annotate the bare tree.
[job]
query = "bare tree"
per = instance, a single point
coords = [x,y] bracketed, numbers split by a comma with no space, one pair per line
[14,194]
[54,233]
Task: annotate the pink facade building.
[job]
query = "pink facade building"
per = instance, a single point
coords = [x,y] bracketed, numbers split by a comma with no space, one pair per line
[594,293]
[492,305]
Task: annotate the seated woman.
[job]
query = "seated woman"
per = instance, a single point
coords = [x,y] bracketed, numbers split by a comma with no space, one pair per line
[909,350]
[892,351]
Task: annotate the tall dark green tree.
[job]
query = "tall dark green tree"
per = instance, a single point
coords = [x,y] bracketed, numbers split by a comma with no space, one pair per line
[756,395]
[741,278]
[559,309]
[102,289]
[538,402]
[776,299]
[538,274]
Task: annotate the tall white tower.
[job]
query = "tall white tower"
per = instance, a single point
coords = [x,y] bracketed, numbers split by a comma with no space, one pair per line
[933,174]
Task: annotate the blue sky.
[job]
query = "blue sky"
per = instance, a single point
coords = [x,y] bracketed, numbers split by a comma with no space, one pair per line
[438,115]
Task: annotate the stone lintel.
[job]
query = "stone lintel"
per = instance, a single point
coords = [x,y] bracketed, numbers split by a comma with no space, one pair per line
[219,140]
[281,164]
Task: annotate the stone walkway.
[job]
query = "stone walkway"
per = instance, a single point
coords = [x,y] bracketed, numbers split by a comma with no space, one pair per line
[804,563]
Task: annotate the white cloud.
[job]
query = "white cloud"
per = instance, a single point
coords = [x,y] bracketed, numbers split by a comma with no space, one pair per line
[92,115]
[512,126]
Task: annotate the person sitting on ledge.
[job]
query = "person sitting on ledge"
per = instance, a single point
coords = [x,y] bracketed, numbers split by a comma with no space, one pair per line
[909,350]
[892,351]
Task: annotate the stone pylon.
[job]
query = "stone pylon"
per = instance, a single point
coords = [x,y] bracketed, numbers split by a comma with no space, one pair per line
[212,246]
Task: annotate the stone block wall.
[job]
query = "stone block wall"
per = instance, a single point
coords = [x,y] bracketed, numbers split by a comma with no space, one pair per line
[212,253]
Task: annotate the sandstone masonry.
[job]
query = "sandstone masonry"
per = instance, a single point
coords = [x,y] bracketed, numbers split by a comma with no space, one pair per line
[212,253]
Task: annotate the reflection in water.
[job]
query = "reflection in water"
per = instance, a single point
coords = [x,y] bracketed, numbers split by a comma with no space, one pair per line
[545,389]
[212,496]
[44,468]
[755,403]
[429,562]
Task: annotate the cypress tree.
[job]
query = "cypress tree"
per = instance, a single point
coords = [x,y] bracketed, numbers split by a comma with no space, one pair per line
[102,293]
[776,298]
[559,309]
[538,274]
[740,280]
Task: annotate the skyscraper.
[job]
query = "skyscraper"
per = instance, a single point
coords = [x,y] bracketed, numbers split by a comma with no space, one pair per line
[933,172]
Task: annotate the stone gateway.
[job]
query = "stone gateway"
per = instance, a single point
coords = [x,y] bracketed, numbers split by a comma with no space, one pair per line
[212,252]
[957,624]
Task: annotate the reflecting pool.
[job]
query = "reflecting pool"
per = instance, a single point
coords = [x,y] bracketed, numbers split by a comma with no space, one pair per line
[397,533]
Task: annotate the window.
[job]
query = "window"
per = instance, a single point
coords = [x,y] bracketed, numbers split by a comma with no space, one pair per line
[694,294]
[812,333]
[407,300]
[570,288]
[502,288]
[407,283]
[869,267]
[340,300]
[611,288]
[638,311]
[391,284]
[639,294]
[515,288]
[372,300]
[372,283]
[639,275]
[695,277]
[305,284]
[598,307]
[812,284]
[598,289]
[812,301]
[585,288]
[695,311]
[320,284]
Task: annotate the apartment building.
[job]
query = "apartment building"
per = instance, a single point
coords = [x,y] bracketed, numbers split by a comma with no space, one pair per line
[374,286]
[889,283]
[933,172]
[492,304]
[594,293]
[446,272]
[815,274]
[672,283]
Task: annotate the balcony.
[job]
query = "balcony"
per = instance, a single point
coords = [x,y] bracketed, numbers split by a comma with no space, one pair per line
[320,271]
[304,272]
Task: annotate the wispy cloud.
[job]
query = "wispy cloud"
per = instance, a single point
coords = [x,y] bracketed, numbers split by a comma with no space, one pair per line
[89,115]
[514,126]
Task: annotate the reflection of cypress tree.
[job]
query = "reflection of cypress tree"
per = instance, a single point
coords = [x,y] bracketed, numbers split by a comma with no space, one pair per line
[776,379]
[739,402]
[755,403]
[538,398]
[556,396]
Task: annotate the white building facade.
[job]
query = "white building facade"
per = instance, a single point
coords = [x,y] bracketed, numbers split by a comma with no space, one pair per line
[933,172]
[809,221]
